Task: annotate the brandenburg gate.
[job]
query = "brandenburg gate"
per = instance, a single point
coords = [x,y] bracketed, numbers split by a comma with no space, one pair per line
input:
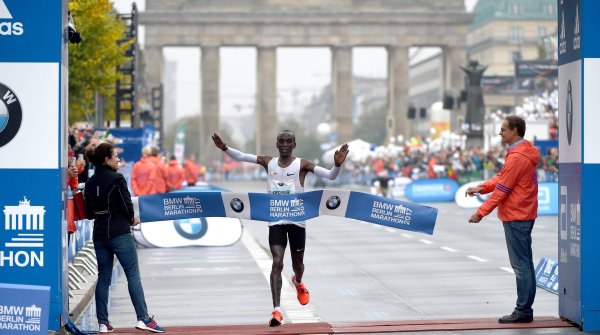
[340,25]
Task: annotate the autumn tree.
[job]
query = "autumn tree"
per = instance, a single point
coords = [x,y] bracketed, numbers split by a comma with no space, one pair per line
[93,62]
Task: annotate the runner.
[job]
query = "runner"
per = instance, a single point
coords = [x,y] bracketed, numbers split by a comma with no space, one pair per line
[285,175]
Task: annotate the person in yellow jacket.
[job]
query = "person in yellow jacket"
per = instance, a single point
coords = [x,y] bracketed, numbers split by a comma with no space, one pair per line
[514,191]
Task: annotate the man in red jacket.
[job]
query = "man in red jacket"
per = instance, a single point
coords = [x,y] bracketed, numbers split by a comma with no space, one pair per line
[515,191]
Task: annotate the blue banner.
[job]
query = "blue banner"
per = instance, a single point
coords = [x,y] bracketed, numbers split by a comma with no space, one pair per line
[432,190]
[181,205]
[30,31]
[132,140]
[547,198]
[286,207]
[546,274]
[24,309]
[290,207]
[569,31]
[391,213]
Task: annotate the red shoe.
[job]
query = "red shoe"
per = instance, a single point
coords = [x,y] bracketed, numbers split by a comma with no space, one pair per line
[303,295]
[276,319]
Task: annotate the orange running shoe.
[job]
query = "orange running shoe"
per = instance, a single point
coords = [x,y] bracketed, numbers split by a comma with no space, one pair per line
[276,319]
[303,295]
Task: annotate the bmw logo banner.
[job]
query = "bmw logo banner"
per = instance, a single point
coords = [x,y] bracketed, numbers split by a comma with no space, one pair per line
[290,207]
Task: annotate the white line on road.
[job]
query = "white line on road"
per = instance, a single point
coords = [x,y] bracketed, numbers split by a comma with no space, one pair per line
[296,313]
[425,241]
[390,230]
[407,236]
[475,258]
[509,270]
[449,249]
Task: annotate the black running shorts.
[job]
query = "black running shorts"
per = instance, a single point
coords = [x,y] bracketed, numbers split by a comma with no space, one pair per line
[279,235]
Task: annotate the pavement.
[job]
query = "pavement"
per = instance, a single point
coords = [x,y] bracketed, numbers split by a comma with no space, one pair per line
[393,283]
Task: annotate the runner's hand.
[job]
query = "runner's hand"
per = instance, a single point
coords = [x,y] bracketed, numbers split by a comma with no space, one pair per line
[340,155]
[471,191]
[218,142]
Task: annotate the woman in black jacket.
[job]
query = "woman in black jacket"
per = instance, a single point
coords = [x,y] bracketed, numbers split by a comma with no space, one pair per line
[108,203]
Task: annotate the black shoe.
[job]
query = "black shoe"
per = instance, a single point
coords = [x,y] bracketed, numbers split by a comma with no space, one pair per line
[516,318]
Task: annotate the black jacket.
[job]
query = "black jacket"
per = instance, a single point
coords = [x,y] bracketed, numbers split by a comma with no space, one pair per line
[108,202]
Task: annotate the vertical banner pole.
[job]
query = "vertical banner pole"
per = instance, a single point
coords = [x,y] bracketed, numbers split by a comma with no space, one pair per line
[33,123]
[579,167]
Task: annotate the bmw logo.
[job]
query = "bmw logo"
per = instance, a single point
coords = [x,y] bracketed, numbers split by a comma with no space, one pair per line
[192,229]
[10,115]
[237,205]
[569,109]
[333,202]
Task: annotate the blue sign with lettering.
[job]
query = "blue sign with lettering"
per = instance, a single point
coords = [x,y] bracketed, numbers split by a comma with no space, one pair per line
[132,140]
[546,274]
[284,207]
[547,198]
[180,205]
[432,190]
[24,309]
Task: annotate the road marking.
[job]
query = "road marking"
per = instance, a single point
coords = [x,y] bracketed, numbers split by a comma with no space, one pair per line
[425,241]
[475,258]
[540,227]
[407,235]
[509,270]
[449,249]
[295,312]
[390,230]
[348,291]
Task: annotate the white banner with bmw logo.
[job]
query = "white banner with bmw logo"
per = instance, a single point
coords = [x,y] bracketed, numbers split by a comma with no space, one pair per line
[292,207]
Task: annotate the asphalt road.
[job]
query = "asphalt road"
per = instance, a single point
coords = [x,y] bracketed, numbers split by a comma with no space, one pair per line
[355,271]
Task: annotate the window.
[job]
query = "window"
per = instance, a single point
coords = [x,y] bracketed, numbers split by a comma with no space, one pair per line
[542,33]
[550,9]
[515,9]
[515,56]
[515,35]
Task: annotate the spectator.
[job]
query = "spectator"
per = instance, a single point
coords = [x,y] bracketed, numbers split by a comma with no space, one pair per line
[175,175]
[143,174]
[108,203]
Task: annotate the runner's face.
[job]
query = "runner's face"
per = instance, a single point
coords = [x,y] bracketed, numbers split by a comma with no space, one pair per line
[285,144]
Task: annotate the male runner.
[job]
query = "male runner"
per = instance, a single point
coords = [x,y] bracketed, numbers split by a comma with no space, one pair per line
[285,175]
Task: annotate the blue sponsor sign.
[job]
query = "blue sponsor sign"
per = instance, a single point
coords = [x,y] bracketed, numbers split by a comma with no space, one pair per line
[30,31]
[132,140]
[432,190]
[289,207]
[181,205]
[284,207]
[391,213]
[546,274]
[24,309]
[569,31]
[547,198]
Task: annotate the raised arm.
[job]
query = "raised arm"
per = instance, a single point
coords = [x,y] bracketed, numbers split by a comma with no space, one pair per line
[339,157]
[238,155]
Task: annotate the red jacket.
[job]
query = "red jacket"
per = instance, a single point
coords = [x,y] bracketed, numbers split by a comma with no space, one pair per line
[160,182]
[191,171]
[175,175]
[143,175]
[515,187]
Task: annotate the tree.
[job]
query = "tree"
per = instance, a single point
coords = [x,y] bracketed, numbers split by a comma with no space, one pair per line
[93,62]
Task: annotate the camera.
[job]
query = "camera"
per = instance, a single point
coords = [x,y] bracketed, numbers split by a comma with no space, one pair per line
[73,35]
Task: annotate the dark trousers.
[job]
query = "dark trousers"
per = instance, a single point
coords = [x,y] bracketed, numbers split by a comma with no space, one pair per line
[518,242]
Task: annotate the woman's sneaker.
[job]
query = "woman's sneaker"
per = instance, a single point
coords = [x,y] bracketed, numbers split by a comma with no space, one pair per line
[105,328]
[149,324]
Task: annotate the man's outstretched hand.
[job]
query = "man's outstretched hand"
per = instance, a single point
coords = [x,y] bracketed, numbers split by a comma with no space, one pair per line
[218,142]
[340,155]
